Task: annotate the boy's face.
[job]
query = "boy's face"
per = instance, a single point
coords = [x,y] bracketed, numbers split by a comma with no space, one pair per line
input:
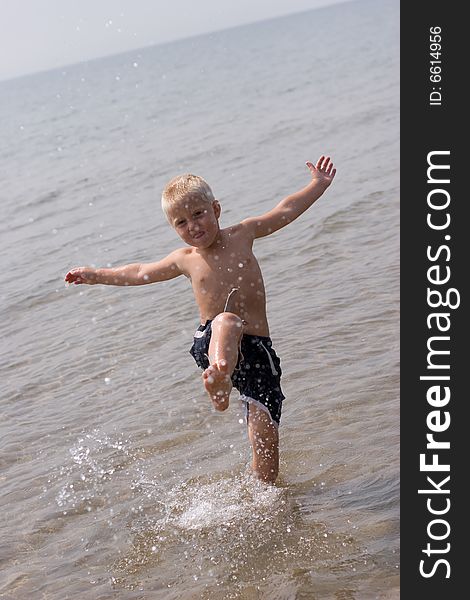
[196,221]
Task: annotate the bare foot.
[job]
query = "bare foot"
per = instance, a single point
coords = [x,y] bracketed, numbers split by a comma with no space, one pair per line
[218,384]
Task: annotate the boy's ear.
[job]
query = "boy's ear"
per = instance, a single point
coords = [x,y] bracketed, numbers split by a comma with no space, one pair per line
[217,208]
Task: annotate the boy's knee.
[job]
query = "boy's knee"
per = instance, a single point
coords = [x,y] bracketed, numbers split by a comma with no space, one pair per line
[228,319]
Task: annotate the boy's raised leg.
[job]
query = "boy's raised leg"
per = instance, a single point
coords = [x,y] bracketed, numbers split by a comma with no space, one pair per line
[227,331]
[264,438]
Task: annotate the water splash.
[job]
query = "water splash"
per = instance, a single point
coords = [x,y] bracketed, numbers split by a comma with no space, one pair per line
[94,459]
[225,529]
[196,505]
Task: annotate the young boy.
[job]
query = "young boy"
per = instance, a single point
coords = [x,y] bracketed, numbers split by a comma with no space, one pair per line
[232,344]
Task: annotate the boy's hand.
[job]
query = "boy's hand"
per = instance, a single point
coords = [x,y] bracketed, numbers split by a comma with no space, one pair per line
[324,171]
[81,275]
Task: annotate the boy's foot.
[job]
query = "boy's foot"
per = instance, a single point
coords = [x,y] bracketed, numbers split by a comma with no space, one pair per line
[218,384]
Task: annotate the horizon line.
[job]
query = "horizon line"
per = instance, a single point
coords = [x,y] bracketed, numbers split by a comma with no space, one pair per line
[171,41]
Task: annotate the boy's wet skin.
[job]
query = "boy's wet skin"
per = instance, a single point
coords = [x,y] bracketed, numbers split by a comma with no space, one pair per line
[229,291]
[218,384]
[227,284]
[221,261]
[227,331]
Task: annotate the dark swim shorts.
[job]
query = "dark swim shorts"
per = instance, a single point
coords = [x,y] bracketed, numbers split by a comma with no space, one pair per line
[257,375]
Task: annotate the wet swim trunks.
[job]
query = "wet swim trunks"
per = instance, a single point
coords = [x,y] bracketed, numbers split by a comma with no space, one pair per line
[257,375]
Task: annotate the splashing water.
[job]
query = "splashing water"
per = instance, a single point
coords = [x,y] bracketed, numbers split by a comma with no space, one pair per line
[94,459]
[221,503]
[224,529]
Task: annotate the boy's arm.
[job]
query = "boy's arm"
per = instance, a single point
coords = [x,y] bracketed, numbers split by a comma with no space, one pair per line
[294,205]
[133,274]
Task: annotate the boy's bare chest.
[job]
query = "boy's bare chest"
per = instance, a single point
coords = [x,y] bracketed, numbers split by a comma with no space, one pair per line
[230,267]
[214,275]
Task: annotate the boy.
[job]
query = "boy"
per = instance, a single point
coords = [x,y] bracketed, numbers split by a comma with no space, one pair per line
[232,344]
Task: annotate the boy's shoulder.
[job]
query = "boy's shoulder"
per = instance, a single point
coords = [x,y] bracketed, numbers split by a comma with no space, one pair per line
[181,259]
[180,255]
[237,229]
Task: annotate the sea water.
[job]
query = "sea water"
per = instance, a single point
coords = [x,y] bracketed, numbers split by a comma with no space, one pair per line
[118,480]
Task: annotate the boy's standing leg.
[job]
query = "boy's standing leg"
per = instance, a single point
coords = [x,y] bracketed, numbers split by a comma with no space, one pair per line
[264,438]
[227,329]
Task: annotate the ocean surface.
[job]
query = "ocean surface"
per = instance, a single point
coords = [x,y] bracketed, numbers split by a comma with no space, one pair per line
[117,478]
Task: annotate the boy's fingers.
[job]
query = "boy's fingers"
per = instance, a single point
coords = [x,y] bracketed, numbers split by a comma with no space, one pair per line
[324,164]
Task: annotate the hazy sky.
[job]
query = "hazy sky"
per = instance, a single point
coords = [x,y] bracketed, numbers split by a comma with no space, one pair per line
[36,35]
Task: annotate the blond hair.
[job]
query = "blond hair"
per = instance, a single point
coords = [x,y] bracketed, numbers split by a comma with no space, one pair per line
[185,187]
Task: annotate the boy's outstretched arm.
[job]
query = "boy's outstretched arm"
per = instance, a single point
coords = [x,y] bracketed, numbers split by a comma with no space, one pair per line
[295,204]
[133,274]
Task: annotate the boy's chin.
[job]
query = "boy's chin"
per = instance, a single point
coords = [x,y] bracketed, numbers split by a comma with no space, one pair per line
[201,243]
